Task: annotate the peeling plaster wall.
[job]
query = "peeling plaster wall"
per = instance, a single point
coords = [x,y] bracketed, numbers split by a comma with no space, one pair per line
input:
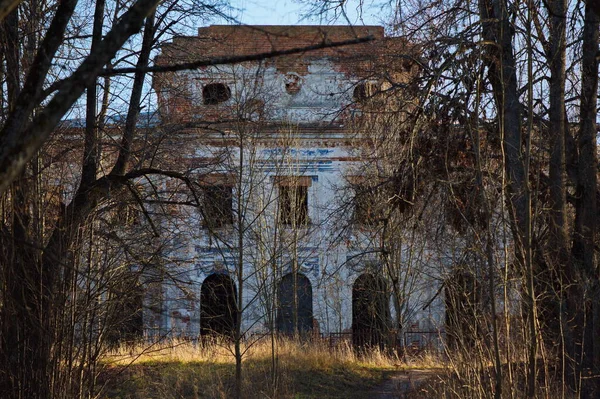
[323,95]
[303,143]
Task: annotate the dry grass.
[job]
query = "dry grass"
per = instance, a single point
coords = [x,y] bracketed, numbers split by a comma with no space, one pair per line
[308,369]
[305,370]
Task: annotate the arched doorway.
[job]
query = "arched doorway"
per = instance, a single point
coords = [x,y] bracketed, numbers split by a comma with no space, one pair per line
[370,312]
[462,300]
[218,307]
[294,291]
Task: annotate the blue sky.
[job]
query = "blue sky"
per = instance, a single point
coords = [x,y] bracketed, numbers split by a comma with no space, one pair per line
[294,12]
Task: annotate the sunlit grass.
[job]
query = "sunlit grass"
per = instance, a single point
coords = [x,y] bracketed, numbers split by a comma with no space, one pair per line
[298,369]
[306,353]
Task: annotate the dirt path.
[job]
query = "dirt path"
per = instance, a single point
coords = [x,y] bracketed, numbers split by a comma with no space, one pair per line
[400,384]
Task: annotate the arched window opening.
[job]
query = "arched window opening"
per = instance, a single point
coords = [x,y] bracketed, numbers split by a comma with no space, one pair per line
[215,93]
[295,310]
[218,306]
[370,312]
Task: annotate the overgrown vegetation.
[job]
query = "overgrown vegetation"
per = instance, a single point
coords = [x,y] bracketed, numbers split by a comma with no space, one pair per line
[498,155]
[310,369]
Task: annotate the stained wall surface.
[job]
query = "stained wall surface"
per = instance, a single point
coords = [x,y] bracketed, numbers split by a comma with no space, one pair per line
[266,126]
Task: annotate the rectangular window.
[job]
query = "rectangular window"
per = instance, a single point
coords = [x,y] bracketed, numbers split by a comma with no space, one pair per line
[293,200]
[218,205]
[365,205]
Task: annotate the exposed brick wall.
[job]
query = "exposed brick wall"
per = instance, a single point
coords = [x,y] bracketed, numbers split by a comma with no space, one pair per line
[387,60]
[228,40]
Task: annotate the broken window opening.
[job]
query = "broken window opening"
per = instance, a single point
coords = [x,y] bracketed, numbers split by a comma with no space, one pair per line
[293,83]
[218,206]
[364,91]
[371,202]
[293,205]
[366,208]
[215,93]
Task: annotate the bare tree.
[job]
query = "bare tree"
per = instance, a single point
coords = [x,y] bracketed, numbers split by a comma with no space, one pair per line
[511,77]
[45,272]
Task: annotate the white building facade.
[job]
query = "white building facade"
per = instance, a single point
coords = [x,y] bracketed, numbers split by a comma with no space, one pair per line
[275,153]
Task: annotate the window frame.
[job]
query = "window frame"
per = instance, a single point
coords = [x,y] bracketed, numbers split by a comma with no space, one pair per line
[293,191]
[217,202]
[367,209]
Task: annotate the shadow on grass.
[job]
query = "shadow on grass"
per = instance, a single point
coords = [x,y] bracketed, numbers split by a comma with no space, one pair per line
[194,380]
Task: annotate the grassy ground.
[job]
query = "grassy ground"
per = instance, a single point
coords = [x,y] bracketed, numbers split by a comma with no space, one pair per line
[303,370]
[183,370]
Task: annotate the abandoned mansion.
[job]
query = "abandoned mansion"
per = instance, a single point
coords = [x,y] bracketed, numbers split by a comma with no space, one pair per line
[284,157]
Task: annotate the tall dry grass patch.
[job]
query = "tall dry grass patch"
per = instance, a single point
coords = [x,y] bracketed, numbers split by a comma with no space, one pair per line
[284,368]
[309,353]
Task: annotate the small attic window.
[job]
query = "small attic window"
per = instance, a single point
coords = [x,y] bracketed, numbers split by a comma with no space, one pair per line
[215,93]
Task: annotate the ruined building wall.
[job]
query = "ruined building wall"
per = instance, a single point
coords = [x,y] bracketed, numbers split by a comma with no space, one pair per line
[283,135]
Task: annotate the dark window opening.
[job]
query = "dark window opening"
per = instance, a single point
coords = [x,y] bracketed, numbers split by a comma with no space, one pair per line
[373,203]
[364,91]
[218,307]
[367,207]
[218,206]
[295,308]
[370,312]
[293,205]
[215,93]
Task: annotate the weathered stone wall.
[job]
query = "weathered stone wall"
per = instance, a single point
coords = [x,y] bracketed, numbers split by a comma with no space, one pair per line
[290,116]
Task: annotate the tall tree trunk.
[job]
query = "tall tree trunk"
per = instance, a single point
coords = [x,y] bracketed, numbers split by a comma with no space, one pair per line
[136,95]
[91,151]
[25,357]
[552,280]
[496,29]
[584,258]
[556,59]
[239,272]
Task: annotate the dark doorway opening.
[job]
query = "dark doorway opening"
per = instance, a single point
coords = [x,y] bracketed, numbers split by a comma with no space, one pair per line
[370,312]
[128,314]
[295,311]
[462,301]
[218,306]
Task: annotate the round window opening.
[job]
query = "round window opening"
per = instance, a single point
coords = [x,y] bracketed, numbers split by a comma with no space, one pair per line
[215,93]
